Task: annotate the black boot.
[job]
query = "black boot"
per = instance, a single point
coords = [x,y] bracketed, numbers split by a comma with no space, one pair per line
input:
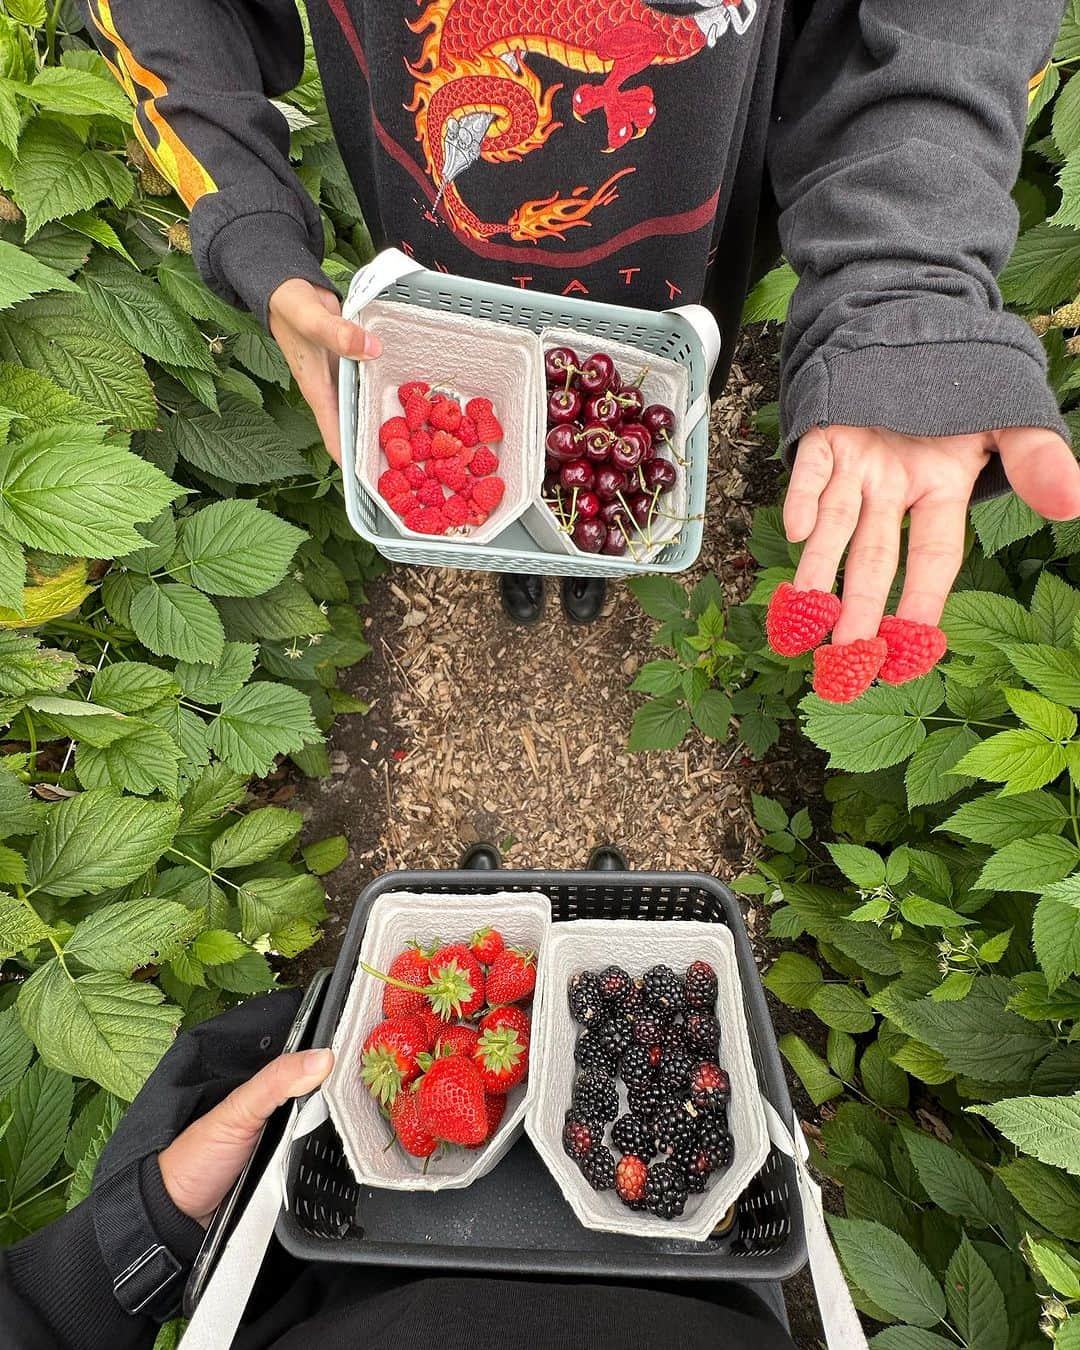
[522,597]
[480,858]
[607,858]
[583,598]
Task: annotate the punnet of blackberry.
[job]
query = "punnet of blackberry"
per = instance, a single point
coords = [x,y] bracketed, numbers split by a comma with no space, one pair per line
[598,1167]
[634,1134]
[676,1127]
[647,1029]
[698,1169]
[595,1096]
[710,1087]
[579,1135]
[614,1036]
[665,1190]
[701,986]
[615,984]
[585,998]
[636,1066]
[646,1100]
[591,1054]
[674,1071]
[703,1034]
[715,1138]
[673,1036]
[631,1173]
[663,991]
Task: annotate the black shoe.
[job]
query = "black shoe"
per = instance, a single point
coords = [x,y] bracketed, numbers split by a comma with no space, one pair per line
[583,598]
[607,858]
[522,597]
[480,858]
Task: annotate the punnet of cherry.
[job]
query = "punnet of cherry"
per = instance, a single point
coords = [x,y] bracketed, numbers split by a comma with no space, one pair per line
[611,462]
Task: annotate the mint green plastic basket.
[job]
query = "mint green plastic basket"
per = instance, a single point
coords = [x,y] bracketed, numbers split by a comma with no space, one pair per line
[688,337]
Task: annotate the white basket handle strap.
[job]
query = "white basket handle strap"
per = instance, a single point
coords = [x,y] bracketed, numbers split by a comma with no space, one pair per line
[843,1330]
[225,1297]
[703,323]
[384,269]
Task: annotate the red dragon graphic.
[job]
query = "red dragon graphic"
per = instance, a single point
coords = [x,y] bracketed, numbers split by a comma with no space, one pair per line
[475,97]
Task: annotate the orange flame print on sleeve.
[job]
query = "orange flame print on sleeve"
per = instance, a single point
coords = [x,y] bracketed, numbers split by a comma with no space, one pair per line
[171,156]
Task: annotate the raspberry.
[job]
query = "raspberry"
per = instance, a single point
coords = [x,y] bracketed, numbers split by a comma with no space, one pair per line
[432,520]
[452,473]
[431,494]
[403,504]
[484,461]
[476,407]
[457,509]
[392,484]
[798,621]
[914,649]
[445,415]
[398,453]
[443,445]
[413,387]
[415,475]
[487,493]
[421,444]
[841,674]
[417,411]
[468,453]
[477,517]
[414,519]
[488,427]
[392,429]
[467,432]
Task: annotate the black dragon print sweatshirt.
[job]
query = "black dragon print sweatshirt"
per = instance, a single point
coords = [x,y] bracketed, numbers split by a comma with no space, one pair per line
[621,149]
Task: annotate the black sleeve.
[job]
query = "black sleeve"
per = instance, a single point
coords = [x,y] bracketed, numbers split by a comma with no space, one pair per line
[201,74]
[57,1287]
[895,146]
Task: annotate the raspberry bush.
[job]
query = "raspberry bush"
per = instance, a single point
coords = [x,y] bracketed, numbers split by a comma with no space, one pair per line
[178,592]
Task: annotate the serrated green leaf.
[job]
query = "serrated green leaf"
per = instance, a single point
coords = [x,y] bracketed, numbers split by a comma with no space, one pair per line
[840,1052]
[980,621]
[769,300]
[862,866]
[1055,607]
[56,174]
[1044,269]
[975,1301]
[883,1265]
[12,575]
[100,231]
[929,778]
[1023,760]
[29,669]
[174,619]
[814,1074]
[712,714]
[325,855]
[232,548]
[876,731]
[794,979]
[660,597]
[20,926]
[997,820]
[132,686]
[255,837]
[123,937]
[85,1166]
[21,276]
[884,1082]
[923,913]
[921,1062]
[260,722]
[34,1139]
[139,313]
[659,724]
[1057,1266]
[249,974]
[287,611]
[951,1180]
[1050,1196]
[1040,714]
[78,92]
[209,684]
[910,1338]
[213,792]
[873,911]
[1003,521]
[1029,864]
[269,903]
[956,985]
[39,402]
[842,1007]
[240,443]
[658,677]
[216,946]
[1056,931]
[16,1051]
[1048,1128]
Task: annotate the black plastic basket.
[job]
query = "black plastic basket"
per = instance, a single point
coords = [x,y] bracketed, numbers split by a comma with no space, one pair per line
[515,1220]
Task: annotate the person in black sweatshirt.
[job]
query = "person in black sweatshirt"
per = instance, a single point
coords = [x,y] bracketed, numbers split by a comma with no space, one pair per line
[631,151]
[175,1155]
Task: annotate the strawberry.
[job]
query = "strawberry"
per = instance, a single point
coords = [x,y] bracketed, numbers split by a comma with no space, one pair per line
[411,1135]
[462,977]
[452,473]
[797,621]
[516,1019]
[487,493]
[466,432]
[486,944]
[456,1040]
[494,1109]
[443,445]
[410,967]
[408,390]
[398,453]
[388,1057]
[841,674]
[435,1024]
[415,475]
[431,494]
[392,429]
[488,427]
[512,976]
[485,461]
[457,509]
[450,1102]
[445,415]
[914,649]
[502,1058]
[476,407]
[420,441]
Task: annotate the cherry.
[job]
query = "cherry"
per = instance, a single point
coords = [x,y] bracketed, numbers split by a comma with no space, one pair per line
[597,443]
[551,484]
[642,507]
[563,405]
[590,535]
[551,465]
[609,483]
[562,444]
[627,454]
[579,473]
[588,505]
[659,421]
[634,431]
[595,375]
[611,513]
[632,402]
[660,473]
[560,362]
[615,543]
[603,409]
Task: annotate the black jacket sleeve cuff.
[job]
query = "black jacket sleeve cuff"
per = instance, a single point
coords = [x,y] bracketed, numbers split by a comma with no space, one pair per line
[248,258]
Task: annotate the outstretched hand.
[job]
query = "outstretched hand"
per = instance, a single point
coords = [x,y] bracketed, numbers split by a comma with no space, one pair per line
[854,485]
[201,1164]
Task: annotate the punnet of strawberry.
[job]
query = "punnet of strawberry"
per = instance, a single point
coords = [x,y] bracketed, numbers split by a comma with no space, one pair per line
[453,1041]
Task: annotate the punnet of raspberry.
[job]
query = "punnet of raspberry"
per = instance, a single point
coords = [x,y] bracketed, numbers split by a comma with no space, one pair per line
[914,649]
[797,621]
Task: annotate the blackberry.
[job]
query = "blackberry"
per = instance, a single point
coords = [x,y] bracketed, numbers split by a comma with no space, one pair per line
[703,1033]
[595,1098]
[698,1169]
[614,1036]
[636,1066]
[673,1037]
[676,1126]
[645,1100]
[586,1000]
[647,1029]
[665,1191]
[715,1139]
[631,1173]
[598,1167]
[701,986]
[675,1068]
[634,1000]
[663,991]
[634,1134]
[591,1054]
[615,984]
[579,1135]
[710,1087]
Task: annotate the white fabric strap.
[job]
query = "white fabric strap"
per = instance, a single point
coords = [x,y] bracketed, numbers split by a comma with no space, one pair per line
[384,269]
[839,1319]
[703,323]
[225,1297]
